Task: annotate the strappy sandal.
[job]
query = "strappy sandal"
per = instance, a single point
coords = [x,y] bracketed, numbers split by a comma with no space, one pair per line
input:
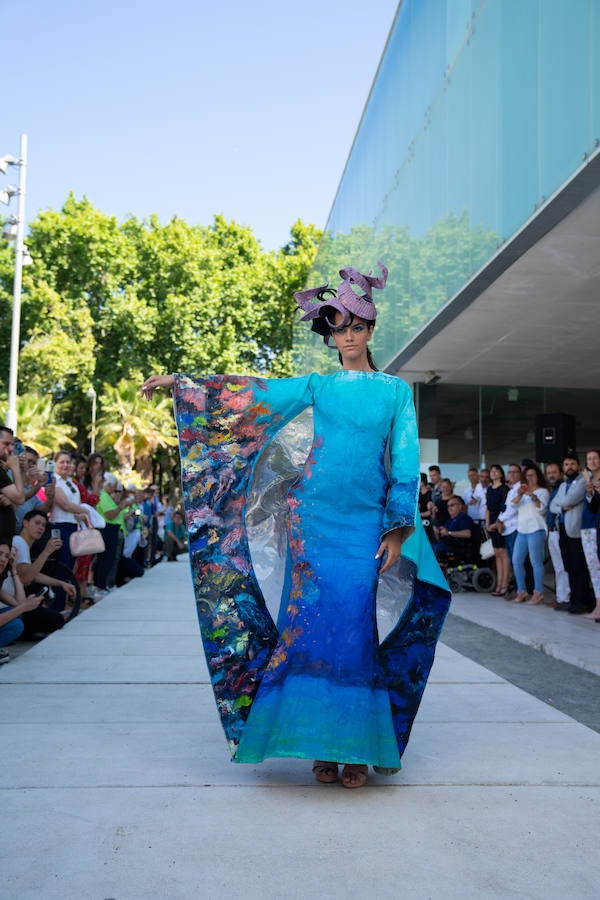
[354,775]
[325,772]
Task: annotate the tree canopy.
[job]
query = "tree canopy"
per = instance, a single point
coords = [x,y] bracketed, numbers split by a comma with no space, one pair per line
[105,302]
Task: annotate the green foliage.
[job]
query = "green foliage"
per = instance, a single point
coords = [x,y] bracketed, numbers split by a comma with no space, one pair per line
[39,424]
[105,303]
[133,428]
[424,273]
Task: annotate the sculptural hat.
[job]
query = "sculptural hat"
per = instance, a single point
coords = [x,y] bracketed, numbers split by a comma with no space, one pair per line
[345,300]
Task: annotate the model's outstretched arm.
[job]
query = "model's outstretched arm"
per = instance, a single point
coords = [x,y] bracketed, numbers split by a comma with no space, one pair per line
[156,381]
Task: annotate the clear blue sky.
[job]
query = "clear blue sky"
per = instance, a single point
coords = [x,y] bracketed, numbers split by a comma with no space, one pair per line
[190,107]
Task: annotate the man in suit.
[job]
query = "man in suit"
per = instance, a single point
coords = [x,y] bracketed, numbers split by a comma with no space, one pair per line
[567,504]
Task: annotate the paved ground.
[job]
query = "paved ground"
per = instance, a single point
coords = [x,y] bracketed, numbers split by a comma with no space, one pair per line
[115,780]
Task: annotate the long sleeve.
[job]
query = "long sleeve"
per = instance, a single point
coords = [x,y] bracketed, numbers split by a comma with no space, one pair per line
[402,500]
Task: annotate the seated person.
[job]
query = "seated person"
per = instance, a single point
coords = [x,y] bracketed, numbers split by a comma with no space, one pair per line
[14,605]
[32,530]
[175,536]
[457,534]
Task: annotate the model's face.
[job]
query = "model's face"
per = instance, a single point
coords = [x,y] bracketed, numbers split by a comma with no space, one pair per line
[474,479]
[553,473]
[592,461]
[514,474]
[435,477]
[80,471]
[495,474]
[446,489]
[351,340]
[484,477]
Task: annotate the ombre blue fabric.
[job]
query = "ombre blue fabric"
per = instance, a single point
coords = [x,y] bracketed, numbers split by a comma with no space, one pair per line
[320,684]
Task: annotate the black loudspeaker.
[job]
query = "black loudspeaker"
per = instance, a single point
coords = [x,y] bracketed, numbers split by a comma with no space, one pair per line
[554,436]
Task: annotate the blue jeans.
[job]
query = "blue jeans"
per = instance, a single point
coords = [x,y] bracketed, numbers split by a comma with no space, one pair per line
[533,545]
[12,631]
[509,543]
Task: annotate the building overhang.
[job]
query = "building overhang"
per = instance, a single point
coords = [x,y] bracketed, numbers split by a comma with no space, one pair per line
[531,316]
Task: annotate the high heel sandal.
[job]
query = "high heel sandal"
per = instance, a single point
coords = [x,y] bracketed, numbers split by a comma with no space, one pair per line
[325,772]
[354,775]
[536,599]
[521,597]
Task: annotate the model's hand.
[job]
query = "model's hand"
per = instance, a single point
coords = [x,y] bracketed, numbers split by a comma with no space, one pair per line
[392,542]
[156,381]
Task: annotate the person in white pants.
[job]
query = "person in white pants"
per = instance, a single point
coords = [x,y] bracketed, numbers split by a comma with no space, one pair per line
[563,587]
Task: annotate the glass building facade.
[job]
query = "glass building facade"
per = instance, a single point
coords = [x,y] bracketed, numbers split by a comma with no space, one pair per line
[480,112]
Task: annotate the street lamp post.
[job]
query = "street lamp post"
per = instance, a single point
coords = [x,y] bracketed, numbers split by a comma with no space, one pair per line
[92,393]
[11,416]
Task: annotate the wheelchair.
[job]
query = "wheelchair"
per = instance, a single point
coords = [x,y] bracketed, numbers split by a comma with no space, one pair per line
[465,570]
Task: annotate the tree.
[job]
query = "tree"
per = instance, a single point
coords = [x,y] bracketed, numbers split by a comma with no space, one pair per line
[39,424]
[105,300]
[133,428]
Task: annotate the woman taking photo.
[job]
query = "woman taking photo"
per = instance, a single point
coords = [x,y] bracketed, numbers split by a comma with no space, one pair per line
[532,503]
[589,525]
[318,684]
[496,500]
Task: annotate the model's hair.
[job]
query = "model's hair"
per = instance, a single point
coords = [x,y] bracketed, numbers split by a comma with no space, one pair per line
[571,454]
[446,481]
[370,323]
[433,469]
[474,469]
[60,453]
[423,478]
[540,475]
[7,429]
[28,449]
[456,497]
[500,469]
[553,462]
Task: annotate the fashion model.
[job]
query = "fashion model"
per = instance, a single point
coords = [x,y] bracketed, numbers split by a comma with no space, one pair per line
[315,680]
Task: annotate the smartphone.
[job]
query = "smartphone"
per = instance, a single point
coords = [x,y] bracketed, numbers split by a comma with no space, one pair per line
[50,470]
[18,447]
[41,466]
[55,532]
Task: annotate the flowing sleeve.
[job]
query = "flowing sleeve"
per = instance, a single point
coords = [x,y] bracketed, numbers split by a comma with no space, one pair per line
[224,422]
[403,492]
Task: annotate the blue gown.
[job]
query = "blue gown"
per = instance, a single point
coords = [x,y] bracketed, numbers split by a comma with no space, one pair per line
[319,684]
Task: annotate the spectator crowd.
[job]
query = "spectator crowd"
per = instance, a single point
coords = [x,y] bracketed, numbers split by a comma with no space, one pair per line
[527,517]
[47,508]
[521,518]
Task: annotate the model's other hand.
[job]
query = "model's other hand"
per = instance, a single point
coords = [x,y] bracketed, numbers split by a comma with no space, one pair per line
[392,543]
[156,381]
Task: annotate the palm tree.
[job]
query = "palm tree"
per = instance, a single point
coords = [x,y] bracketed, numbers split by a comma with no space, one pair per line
[37,424]
[132,427]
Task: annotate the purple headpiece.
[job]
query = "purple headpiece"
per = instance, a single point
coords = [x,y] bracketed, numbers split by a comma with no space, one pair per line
[345,300]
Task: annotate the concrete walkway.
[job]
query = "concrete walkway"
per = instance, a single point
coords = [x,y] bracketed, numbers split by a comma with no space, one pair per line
[116,781]
[572,639]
